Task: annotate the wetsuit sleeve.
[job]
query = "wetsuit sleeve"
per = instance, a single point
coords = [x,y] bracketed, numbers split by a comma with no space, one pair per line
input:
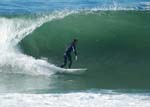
[74,49]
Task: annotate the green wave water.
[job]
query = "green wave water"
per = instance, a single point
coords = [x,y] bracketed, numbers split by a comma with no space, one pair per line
[113,45]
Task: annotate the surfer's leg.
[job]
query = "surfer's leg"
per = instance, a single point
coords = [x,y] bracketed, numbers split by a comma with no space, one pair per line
[65,61]
[70,61]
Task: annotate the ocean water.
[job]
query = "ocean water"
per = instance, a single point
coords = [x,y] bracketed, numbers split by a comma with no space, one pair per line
[114,45]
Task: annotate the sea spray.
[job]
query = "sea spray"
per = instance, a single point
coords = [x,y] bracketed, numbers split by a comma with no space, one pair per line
[12,31]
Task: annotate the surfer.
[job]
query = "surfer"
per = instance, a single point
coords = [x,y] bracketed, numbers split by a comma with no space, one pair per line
[67,55]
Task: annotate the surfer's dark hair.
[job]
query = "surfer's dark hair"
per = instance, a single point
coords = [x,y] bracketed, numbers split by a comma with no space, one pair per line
[75,40]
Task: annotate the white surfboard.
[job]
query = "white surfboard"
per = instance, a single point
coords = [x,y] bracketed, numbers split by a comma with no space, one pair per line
[57,69]
[73,70]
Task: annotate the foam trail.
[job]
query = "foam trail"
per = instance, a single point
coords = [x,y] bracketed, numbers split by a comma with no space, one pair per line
[12,31]
[75,100]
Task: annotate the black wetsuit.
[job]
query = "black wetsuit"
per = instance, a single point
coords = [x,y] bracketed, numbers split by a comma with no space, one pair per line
[67,54]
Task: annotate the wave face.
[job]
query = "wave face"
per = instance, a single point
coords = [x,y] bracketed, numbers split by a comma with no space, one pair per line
[112,45]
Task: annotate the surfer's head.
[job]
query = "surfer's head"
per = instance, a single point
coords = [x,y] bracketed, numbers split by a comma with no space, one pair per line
[75,41]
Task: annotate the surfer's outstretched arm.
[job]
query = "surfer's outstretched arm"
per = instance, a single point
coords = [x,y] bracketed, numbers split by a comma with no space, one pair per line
[75,52]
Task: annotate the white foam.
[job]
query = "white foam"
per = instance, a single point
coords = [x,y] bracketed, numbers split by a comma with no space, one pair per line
[145,5]
[12,31]
[80,99]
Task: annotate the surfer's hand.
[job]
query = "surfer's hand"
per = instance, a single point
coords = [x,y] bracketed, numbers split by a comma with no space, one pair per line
[76,58]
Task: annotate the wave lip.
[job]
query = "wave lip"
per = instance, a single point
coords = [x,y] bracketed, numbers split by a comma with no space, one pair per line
[35,6]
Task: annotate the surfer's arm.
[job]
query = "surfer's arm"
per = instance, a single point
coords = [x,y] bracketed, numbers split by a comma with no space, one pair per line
[75,52]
